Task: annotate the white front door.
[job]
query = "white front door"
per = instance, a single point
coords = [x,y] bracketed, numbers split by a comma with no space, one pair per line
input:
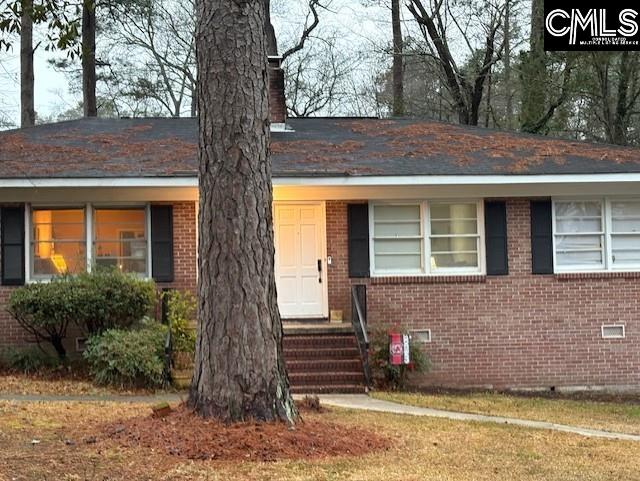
[300,259]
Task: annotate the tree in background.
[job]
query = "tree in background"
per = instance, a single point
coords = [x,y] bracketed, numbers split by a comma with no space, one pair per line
[239,367]
[437,20]
[398,70]
[27,87]
[88,57]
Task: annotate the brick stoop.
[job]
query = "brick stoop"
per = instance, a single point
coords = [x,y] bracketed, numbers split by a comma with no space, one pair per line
[323,362]
[320,358]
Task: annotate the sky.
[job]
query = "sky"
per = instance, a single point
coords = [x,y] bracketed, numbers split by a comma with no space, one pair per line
[362,26]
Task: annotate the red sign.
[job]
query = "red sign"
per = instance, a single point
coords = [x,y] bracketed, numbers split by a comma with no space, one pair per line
[396,348]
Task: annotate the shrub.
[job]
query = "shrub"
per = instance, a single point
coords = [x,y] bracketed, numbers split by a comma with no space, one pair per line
[29,360]
[94,301]
[112,299]
[45,310]
[128,358]
[385,373]
[181,313]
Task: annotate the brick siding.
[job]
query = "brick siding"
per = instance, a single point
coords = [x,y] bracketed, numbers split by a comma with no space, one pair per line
[184,245]
[519,330]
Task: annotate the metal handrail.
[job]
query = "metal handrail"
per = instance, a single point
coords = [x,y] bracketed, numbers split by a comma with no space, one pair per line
[356,302]
[360,328]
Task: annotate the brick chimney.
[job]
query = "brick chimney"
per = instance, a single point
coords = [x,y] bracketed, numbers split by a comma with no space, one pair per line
[277,106]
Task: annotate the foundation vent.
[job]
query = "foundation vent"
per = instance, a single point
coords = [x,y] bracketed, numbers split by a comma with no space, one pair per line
[613,331]
[421,335]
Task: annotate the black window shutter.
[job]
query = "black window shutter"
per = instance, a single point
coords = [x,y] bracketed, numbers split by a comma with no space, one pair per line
[358,233]
[495,229]
[12,249]
[541,237]
[162,243]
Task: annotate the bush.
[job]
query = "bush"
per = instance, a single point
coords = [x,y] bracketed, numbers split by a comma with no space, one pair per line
[181,313]
[29,360]
[94,301]
[385,373]
[128,358]
[112,299]
[45,310]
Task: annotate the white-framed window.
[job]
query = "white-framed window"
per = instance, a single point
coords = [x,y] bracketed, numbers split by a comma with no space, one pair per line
[597,234]
[426,237]
[58,241]
[120,238]
[75,238]
[398,238]
[454,236]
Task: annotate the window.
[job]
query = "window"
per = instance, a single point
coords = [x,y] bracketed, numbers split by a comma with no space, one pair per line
[579,234]
[120,239]
[401,239]
[625,234]
[397,238]
[58,242]
[600,234]
[455,240]
[60,245]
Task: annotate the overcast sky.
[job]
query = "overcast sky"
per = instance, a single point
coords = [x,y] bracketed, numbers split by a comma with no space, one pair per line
[362,26]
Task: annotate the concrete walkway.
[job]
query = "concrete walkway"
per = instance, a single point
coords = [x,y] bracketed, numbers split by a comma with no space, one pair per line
[347,401]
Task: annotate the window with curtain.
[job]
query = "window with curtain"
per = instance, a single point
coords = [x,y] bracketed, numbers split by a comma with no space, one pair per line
[397,238]
[120,239]
[579,234]
[454,238]
[625,233]
[58,242]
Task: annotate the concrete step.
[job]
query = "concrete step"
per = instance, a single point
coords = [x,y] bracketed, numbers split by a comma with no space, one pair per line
[323,365]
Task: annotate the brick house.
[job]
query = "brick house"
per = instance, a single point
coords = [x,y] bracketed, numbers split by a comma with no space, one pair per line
[514,259]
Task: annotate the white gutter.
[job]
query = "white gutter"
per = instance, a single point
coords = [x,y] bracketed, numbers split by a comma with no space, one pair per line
[415,180]
[429,180]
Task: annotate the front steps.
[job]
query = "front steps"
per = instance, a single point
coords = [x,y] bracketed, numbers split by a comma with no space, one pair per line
[320,358]
[323,360]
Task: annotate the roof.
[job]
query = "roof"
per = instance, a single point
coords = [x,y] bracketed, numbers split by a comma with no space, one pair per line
[317,147]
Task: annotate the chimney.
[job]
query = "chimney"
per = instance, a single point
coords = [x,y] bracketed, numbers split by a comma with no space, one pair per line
[277,106]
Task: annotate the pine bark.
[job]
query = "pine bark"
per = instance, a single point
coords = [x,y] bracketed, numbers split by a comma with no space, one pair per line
[89,58]
[27,105]
[239,367]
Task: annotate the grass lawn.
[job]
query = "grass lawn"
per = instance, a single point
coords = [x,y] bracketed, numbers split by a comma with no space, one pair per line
[423,448]
[609,416]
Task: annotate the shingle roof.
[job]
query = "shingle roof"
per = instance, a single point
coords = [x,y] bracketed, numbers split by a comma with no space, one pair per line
[316,147]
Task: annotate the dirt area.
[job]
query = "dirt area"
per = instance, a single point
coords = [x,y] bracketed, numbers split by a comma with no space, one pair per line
[184,434]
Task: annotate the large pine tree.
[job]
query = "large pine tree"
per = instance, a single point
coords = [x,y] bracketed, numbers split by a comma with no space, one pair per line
[239,367]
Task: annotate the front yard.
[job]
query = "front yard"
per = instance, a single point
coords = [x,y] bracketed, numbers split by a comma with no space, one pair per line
[61,441]
[609,416]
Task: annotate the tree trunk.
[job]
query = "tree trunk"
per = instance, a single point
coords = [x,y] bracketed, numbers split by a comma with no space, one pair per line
[239,367]
[89,58]
[508,114]
[534,72]
[58,346]
[398,83]
[27,107]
